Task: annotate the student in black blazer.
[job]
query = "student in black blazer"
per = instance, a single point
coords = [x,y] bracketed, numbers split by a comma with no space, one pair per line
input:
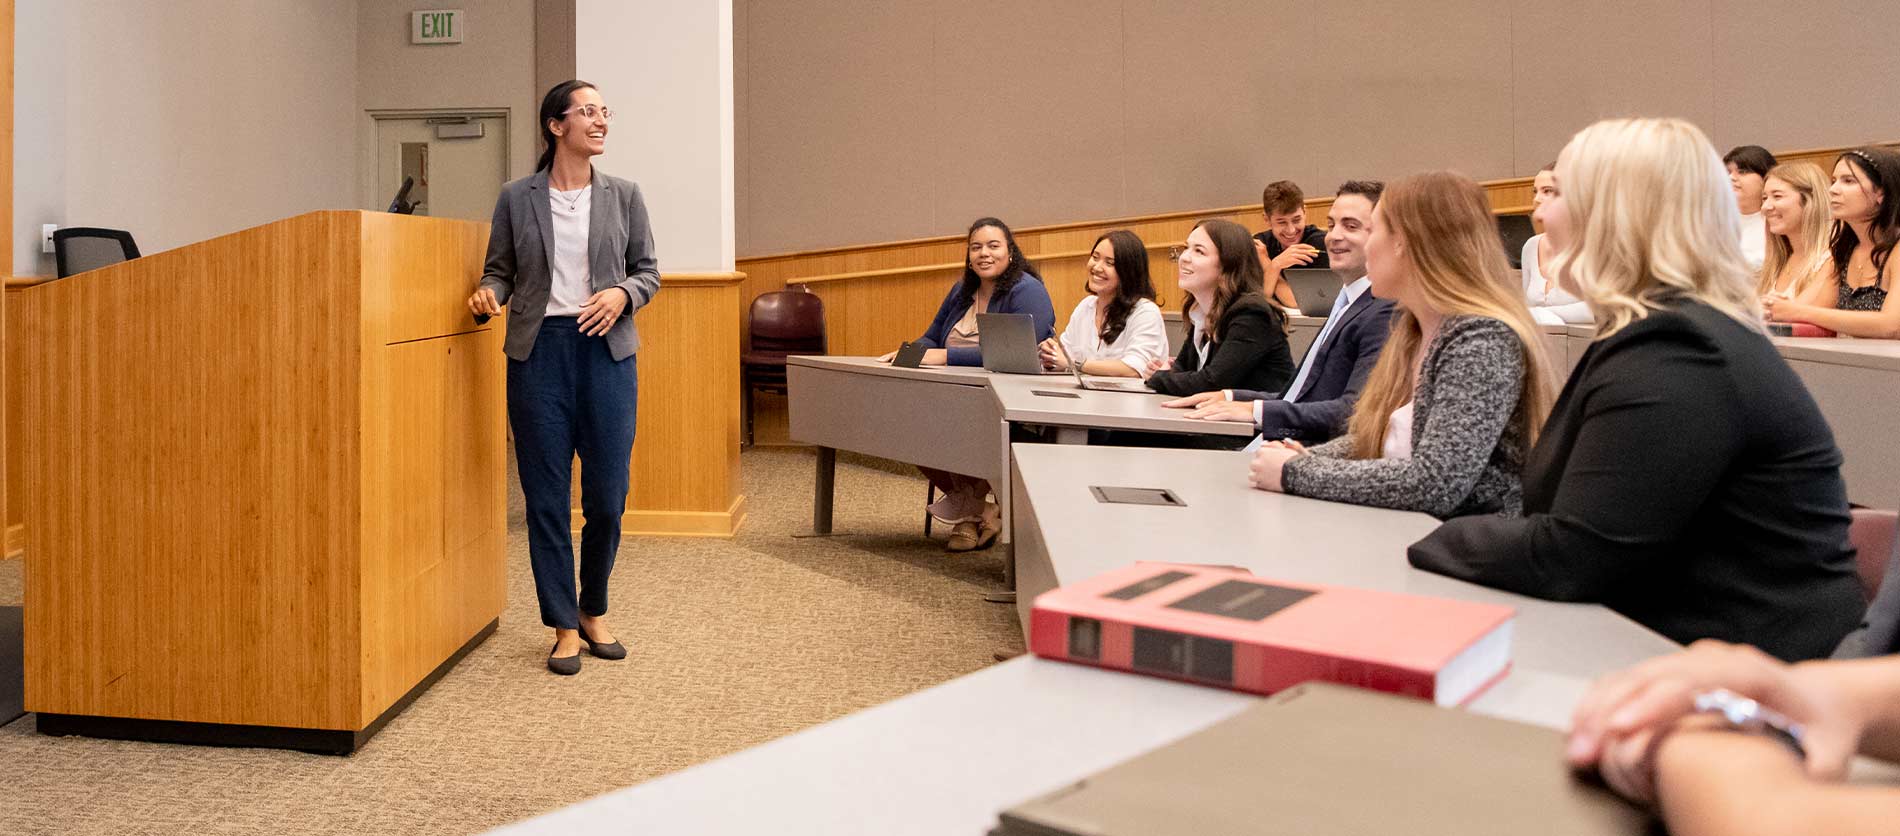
[1314,408]
[1236,340]
[1685,479]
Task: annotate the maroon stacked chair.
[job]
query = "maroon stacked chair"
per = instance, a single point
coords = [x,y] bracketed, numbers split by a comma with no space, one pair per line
[783,323]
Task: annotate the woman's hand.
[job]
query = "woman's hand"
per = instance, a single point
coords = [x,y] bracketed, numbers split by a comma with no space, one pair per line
[887,357]
[482,303]
[1269,462]
[936,357]
[1630,709]
[1197,399]
[1160,365]
[1785,310]
[602,310]
[1052,355]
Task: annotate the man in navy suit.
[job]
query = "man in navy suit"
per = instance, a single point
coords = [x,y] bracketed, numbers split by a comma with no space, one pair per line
[1316,406]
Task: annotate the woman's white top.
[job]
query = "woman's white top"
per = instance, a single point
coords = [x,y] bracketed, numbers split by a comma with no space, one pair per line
[1554,306]
[1398,433]
[572,283]
[1144,337]
[1754,241]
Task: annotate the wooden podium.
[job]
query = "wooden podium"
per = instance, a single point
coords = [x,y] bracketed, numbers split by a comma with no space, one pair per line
[269,475]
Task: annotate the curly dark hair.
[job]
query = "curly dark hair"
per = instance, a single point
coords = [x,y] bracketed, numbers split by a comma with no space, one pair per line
[1879,168]
[1018,264]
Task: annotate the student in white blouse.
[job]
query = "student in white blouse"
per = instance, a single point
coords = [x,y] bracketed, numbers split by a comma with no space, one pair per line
[1117,329]
[1550,304]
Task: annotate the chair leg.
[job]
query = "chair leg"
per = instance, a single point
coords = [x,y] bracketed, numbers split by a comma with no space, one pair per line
[746,406]
[930,498]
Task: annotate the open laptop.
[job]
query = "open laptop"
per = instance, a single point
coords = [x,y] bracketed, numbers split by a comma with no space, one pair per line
[1109,385]
[1314,289]
[1008,343]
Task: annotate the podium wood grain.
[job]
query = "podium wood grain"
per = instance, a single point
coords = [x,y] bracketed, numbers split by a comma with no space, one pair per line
[267,475]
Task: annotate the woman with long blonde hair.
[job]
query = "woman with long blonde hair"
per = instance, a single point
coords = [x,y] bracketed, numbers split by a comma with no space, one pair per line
[1685,478]
[1794,208]
[1461,387]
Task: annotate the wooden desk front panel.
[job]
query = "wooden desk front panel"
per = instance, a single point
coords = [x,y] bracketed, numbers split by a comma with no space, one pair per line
[191,422]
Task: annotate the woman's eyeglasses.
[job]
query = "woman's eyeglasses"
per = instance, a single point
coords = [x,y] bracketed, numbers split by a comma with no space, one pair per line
[591,112]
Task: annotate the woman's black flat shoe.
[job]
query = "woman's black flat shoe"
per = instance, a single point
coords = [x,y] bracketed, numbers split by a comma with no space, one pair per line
[564,665]
[611,650]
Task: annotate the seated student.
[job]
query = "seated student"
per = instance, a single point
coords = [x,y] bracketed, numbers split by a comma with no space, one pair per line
[1236,340]
[1289,240]
[1550,303]
[1708,773]
[1794,210]
[1865,202]
[1315,406]
[1460,388]
[1748,167]
[1685,478]
[996,279]
[1117,329]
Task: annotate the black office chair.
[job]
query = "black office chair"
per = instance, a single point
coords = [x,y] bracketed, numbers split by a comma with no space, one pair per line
[81,248]
[1514,230]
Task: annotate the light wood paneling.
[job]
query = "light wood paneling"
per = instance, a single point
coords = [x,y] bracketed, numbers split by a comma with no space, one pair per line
[6,242]
[685,468]
[235,475]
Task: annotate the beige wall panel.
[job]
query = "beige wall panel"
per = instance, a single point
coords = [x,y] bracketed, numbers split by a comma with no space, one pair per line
[1574,63]
[1030,115]
[1804,75]
[839,145]
[1243,93]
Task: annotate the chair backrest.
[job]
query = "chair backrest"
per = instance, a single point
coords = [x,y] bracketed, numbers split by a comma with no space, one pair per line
[1514,230]
[81,248]
[790,321]
[1872,532]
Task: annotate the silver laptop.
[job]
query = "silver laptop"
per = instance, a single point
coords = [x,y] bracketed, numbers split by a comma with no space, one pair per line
[1008,343]
[1314,289]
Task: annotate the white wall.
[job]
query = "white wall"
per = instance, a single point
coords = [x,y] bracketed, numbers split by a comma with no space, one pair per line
[665,67]
[180,121]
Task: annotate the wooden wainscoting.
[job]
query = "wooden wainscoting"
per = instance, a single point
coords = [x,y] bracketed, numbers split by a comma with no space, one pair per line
[686,450]
[878,295]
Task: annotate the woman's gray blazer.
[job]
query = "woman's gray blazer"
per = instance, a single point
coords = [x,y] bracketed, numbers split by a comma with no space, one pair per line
[521,250]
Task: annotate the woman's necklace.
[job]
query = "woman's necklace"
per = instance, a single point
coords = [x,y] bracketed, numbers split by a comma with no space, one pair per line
[573,203]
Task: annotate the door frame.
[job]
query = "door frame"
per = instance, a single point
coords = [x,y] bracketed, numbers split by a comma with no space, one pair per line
[366,187]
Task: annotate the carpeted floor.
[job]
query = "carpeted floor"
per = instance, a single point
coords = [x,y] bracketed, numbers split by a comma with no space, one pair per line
[734,642]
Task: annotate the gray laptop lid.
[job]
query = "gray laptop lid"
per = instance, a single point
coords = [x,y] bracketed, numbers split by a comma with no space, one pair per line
[1314,289]
[1008,343]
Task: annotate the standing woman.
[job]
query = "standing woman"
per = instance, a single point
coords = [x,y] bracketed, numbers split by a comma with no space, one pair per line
[1117,329]
[1864,201]
[570,252]
[1236,340]
[997,278]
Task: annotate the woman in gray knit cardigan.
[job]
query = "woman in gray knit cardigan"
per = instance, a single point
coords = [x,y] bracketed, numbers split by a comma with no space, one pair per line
[1461,388]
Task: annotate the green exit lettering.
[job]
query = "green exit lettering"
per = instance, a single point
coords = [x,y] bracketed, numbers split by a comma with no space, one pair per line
[438,25]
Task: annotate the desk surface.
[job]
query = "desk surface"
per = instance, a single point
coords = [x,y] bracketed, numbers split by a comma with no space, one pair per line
[1842,351]
[1018,396]
[1282,537]
[965,375]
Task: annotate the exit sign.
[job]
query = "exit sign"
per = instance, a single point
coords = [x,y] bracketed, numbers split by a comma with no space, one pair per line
[439,26]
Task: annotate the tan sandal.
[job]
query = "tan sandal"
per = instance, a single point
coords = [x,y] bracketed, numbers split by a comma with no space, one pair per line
[963,538]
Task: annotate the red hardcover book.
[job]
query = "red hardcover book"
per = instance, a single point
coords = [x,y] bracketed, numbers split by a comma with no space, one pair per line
[1225,627]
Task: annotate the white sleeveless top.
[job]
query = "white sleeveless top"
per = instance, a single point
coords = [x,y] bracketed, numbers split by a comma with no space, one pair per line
[1398,434]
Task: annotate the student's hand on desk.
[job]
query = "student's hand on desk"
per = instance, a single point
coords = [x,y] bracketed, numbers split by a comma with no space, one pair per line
[1241,411]
[1268,464]
[602,310]
[1618,721]
[482,303]
[1050,352]
[1778,309]
[887,357]
[1196,399]
[936,357]
[1160,365]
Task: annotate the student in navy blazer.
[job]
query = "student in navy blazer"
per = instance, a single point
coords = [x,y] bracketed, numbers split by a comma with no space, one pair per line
[570,253]
[996,279]
[1317,404]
